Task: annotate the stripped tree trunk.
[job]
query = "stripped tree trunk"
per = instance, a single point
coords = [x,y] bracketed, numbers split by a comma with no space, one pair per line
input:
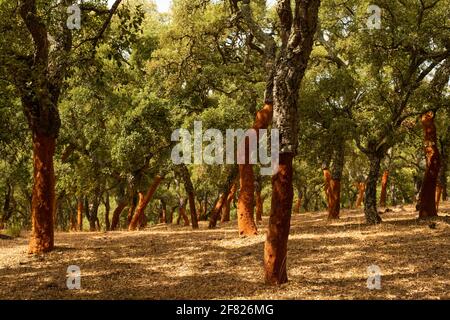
[246,203]
[43,202]
[80,214]
[361,191]
[383,194]
[327,184]
[227,205]
[427,197]
[143,202]
[225,190]
[297,37]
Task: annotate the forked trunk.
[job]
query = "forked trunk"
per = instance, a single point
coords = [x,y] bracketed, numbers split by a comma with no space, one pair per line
[43,199]
[370,198]
[227,205]
[427,197]
[132,208]
[275,250]
[383,194]
[116,214]
[224,191]
[191,194]
[215,213]
[143,202]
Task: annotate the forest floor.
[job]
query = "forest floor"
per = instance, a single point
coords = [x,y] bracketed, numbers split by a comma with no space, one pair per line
[326,260]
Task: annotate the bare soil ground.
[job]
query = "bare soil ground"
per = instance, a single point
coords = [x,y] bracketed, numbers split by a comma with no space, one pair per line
[327,260]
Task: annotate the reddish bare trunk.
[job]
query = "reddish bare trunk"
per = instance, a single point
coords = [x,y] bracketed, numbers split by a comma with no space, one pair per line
[225,190]
[116,214]
[246,203]
[43,199]
[334,205]
[275,250]
[246,222]
[427,197]
[227,205]
[80,209]
[361,193]
[384,182]
[217,210]
[143,202]
[327,180]
[438,196]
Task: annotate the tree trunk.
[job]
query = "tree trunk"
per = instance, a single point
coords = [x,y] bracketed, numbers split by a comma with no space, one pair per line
[107,209]
[298,203]
[335,183]
[163,212]
[427,197]
[215,213]
[80,214]
[438,196]
[259,200]
[116,214]
[370,198]
[335,199]
[43,200]
[275,250]
[297,38]
[361,192]
[246,203]
[169,220]
[384,182]
[134,201]
[190,192]
[225,190]
[7,207]
[259,206]
[227,205]
[327,183]
[442,180]
[182,213]
[91,213]
[143,202]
